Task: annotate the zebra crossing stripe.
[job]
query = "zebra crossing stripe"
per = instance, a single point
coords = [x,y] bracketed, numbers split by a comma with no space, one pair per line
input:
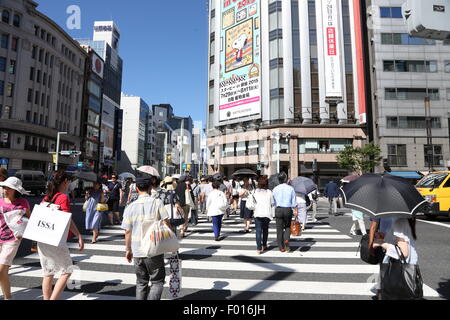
[243,285]
[23,294]
[236,266]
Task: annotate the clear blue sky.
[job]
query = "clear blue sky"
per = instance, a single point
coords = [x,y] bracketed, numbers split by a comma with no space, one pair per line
[164,45]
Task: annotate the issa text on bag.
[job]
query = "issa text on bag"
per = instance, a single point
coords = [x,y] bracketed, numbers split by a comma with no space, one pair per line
[49,226]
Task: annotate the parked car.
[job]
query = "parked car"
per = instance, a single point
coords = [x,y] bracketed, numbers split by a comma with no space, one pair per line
[33,181]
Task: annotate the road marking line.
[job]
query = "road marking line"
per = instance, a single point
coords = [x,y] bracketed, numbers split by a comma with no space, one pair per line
[243,285]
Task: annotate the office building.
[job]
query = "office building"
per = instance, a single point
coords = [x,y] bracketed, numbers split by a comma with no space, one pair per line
[405,70]
[105,42]
[92,111]
[41,88]
[135,133]
[286,85]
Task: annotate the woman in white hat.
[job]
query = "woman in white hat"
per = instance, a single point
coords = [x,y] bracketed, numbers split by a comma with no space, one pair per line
[12,200]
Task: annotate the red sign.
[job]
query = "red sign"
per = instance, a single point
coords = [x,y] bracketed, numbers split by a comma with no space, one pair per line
[331,39]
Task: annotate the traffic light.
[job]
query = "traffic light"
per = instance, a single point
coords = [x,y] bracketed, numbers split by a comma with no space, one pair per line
[386,166]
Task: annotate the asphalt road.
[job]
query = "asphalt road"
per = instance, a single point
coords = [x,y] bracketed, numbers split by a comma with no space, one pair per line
[231,270]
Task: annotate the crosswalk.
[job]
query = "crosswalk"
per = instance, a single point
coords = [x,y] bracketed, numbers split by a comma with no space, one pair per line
[323,264]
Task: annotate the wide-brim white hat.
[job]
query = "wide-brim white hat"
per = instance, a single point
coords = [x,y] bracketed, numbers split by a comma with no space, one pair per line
[14,183]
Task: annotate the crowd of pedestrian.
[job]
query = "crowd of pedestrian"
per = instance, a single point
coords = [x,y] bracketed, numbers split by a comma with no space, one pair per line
[177,201]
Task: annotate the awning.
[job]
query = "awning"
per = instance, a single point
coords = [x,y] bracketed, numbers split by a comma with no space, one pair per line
[407,174]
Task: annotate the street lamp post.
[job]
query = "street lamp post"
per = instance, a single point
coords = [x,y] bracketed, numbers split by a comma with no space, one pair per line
[278,136]
[57,148]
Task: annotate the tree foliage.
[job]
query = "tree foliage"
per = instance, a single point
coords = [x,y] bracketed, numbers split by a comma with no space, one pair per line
[360,160]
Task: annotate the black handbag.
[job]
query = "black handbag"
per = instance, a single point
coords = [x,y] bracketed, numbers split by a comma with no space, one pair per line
[400,280]
[364,252]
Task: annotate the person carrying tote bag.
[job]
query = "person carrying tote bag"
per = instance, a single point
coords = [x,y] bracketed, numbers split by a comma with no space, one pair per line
[400,273]
[57,260]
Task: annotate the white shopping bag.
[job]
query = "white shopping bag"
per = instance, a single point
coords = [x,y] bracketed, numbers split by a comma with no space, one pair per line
[175,276]
[16,222]
[48,225]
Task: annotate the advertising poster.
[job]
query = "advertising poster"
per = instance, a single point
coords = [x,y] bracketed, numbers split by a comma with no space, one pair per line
[240,60]
[332,36]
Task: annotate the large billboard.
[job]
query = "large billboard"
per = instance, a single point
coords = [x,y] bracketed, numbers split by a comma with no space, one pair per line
[332,49]
[240,60]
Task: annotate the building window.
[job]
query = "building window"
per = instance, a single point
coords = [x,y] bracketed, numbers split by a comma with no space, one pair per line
[5,41]
[2,87]
[10,90]
[397,155]
[41,55]
[34,52]
[30,95]
[32,74]
[411,94]
[391,12]
[404,39]
[435,154]
[16,21]
[412,123]
[409,66]
[320,146]
[5,16]
[28,117]
[14,44]
[2,64]
[12,67]
[36,97]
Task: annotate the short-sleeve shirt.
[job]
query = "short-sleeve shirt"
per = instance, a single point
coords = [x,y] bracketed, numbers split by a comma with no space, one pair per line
[144,208]
[114,190]
[284,196]
[6,235]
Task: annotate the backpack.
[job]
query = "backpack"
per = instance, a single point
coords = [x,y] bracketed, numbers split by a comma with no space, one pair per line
[364,252]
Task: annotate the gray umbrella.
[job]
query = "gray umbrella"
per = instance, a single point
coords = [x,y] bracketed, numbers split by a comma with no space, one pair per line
[87,176]
[303,185]
[245,173]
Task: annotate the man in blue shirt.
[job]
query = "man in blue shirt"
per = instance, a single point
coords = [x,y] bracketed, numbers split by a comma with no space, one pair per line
[285,205]
[332,193]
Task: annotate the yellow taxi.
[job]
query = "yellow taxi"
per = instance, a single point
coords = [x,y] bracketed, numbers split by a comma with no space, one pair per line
[435,188]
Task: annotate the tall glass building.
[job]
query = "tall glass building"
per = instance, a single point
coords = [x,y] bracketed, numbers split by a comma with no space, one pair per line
[286,85]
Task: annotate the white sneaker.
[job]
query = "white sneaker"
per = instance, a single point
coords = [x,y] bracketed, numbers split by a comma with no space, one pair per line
[353,233]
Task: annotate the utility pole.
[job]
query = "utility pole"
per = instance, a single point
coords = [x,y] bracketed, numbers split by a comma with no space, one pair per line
[57,148]
[430,149]
[182,146]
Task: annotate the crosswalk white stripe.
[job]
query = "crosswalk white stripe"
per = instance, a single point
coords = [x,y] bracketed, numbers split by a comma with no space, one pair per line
[275,253]
[237,266]
[252,243]
[23,294]
[120,248]
[229,229]
[245,285]
[272,236]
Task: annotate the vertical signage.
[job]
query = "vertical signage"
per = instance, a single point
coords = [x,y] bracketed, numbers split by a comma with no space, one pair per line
[240,60]
[332,36]
[359,45]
